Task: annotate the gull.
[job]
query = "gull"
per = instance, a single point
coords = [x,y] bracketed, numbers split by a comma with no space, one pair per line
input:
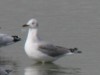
[4,71]
[40,50]
[8,39]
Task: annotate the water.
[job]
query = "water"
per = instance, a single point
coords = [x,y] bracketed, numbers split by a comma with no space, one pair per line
[69,23]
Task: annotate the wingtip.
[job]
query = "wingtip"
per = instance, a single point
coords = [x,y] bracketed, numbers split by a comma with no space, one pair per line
[75,50]
[16,38]
[8,71]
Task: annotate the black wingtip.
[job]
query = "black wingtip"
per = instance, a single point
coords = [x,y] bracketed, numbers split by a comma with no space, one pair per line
[79,52]
[75,50]
[8,71]
[16,38]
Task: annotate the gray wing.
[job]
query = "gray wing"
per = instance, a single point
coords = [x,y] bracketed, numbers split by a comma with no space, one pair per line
[5,39]
[53,50]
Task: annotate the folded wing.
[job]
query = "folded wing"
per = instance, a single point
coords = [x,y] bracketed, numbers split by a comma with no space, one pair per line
[53,50]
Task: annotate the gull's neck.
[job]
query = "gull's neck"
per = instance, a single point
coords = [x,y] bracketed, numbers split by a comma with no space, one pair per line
[32,35]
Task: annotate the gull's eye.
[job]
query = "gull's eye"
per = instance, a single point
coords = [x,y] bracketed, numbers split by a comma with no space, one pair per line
[33,23]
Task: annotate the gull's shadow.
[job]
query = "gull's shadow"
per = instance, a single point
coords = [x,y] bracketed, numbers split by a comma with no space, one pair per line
[50,69]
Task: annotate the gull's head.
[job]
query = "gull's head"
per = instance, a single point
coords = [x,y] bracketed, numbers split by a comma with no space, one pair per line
[32,23]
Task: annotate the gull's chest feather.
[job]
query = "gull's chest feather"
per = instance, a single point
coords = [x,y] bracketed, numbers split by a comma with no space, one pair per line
[31,46]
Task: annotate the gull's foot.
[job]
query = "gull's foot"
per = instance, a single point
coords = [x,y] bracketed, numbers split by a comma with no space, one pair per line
[44,62]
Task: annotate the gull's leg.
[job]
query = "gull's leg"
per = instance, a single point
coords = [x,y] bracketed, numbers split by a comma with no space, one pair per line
[39,62]
[43,62]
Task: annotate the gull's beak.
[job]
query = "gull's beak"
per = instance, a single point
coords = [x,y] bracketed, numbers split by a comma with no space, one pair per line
[25,25]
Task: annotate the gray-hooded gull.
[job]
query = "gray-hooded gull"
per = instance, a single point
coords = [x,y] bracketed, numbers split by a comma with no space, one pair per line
[8,39]
[42,51]
[4,71]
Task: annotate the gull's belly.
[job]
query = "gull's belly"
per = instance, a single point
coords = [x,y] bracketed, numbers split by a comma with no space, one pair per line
[33,52]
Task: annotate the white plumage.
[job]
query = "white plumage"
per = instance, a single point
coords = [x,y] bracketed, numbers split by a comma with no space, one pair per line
[40,50]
